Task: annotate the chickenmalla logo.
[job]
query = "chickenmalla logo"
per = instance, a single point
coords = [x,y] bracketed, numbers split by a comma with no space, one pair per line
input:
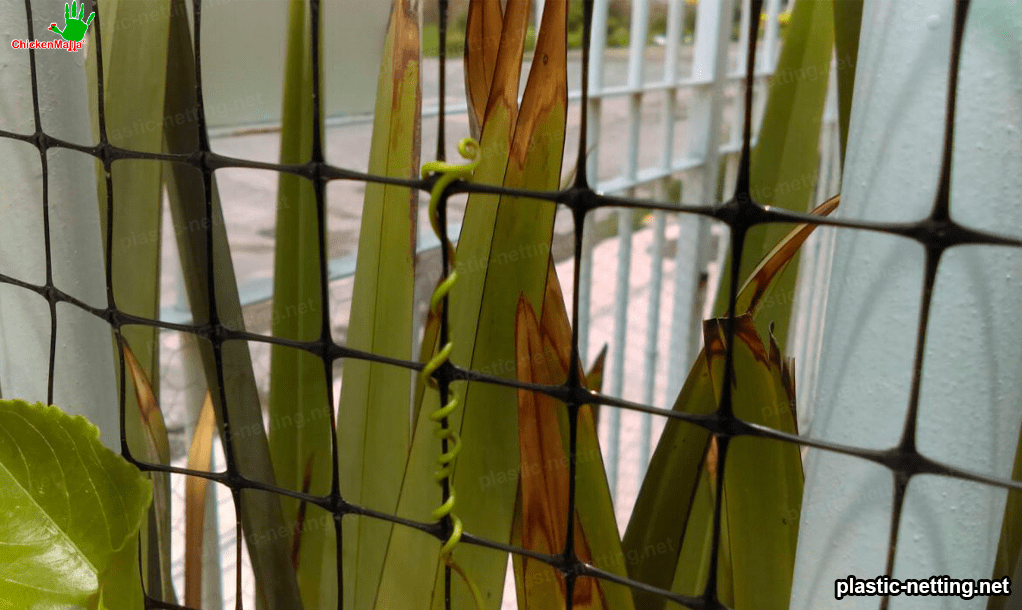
[72,36]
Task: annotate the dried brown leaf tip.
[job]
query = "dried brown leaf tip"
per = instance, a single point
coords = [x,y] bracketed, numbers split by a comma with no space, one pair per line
[545,470]
[712,461]
[756,287]
[786,370]
[482,40]
[157,441]
[595,375]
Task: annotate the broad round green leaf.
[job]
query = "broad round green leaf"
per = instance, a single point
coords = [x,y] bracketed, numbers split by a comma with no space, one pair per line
[67,505]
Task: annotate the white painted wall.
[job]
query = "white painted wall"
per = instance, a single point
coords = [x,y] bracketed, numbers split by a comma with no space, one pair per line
[971,398]
[84,382]
[243,57]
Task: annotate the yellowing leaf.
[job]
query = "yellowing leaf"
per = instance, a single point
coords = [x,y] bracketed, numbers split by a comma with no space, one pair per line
[545,358]
[195,501]
[483,29]
[157,443]
[157,452]
[544,478]
[595,374]
[595,379]
[761,280]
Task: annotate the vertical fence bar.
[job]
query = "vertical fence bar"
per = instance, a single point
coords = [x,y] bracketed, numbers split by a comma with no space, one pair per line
[624,261]
[636,65]
[670,77]
[768,56]
[597,45]
[652,328]
[674,33]
[819,283]
[709,69]
[743,49]
[735,135]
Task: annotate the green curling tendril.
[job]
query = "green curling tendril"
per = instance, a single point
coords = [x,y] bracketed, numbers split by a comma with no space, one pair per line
[448,172]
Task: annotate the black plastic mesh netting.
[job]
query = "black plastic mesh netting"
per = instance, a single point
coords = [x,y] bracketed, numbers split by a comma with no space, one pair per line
[937,233]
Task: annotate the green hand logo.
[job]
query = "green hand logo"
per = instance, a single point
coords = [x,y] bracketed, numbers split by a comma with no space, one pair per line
[74,27]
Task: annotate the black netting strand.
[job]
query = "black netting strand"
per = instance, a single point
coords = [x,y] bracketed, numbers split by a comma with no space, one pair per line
[937,233]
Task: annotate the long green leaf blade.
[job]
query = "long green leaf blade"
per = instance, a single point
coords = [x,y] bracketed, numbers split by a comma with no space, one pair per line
[667,493]
[534,162]
[406,572]
[693,560]
[762,477]
[298,391]
[373,425]
[847,24]
[786,158]
[260,512]
[670,492]
[134,87]
[482,318]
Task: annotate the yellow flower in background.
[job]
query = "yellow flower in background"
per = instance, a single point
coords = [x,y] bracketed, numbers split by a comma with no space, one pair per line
[782,18]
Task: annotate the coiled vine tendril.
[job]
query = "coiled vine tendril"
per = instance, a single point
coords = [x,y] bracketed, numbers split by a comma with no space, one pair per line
[448,173]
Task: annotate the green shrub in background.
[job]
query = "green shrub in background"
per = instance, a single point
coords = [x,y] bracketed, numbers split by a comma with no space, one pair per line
[456,38]
[618,25]
[576,25]
[658,23]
